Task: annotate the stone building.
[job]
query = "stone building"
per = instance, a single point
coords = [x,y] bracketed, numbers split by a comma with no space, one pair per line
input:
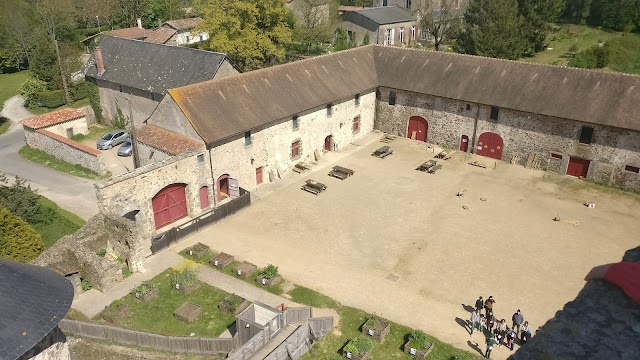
[417,5]
[66,122]
[133,76]
[391,25]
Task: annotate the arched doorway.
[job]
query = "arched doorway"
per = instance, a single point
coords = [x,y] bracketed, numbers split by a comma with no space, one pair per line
[417,129]
[223,187]
[328,143]
[464,143]
[169,205]
[490,145]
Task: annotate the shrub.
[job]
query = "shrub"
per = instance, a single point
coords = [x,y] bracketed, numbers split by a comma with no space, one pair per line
[94,98]
[81,91]
[418,339]
[86,284]
[359,345]
[18,240]
[365,40]
[126,272]
[184,277]
[269,272]
[20,199]
[29,88]
[101,252]
[595,57]
[49,99]
[144,288]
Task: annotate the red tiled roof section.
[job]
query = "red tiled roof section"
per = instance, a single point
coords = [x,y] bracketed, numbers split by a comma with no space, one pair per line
[167,141]
[69,142]
[134,33]
[160,36]
[184,24]
[52,118]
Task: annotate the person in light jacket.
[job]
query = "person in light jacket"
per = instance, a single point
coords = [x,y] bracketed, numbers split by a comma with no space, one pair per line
[475,319]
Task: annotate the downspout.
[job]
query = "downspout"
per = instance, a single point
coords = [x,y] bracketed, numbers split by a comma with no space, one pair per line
[475,130]
[214,187]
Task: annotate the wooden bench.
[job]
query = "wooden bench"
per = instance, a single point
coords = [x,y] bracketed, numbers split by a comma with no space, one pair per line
[383,152]
[314,187]
[341,172]
[427,165]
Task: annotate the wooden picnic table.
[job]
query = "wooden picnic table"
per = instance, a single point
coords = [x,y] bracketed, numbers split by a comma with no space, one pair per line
[314,187]
[427,165]
[341,172]
[383,152]
[344,170]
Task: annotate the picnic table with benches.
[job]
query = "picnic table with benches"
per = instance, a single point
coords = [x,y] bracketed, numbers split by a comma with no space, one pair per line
[341,172]
[301,167]
[383,152]
[314,187]
[430,166]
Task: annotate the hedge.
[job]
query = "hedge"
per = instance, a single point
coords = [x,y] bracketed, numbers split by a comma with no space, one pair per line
[81,91]
[18,241]
[49,99]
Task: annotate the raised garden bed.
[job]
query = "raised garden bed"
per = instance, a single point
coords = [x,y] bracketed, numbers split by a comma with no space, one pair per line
[221,260]
[376,328]
[146,292]
[185,281]
[233,304]
[245,269]
[188,312]
[262,280]
[358,348]
[198,251]
[115,312]
[418,345]
[269,276]
[188,288]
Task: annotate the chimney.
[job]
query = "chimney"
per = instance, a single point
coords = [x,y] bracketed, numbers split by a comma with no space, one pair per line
[139,23]
[97,54]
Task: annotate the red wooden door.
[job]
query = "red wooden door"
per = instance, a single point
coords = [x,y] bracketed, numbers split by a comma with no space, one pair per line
[327,143]
[259,175]
[464,143]
[169,205]
[419,126]
[490,145]
[204,197]
[578,167]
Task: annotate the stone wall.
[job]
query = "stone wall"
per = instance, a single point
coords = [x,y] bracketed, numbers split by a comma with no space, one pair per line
[132,102]
[65,149]
[271,146]
[149,155]
[169,116]
[53,346]
[133,192]
[523,134]
[79,126]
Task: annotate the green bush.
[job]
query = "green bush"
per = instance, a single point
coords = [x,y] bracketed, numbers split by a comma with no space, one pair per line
[595,57]
[18,241]
[126,272]
[270,271]
[101,252]
[359,345]
[86,284]
[365,40]
[29,88]
[418,339]
[20,199]
[49,99]
[144,288]
[81,91]
[184,277]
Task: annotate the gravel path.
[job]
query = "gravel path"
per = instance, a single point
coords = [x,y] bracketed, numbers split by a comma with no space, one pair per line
[14,111]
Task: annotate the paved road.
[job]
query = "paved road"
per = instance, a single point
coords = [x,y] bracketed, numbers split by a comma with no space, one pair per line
[71,193]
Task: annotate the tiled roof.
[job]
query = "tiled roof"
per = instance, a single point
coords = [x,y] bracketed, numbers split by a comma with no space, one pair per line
[33,299]
[183,24]
[52,118]
[346,8]
[160,36]
[166,141]
[133,33]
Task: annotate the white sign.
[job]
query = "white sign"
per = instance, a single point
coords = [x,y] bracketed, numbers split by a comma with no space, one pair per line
[190,252]
[348,355]
[412,351]
[215,262]
[372,332]
[239,272]
[264,281]
[479,147]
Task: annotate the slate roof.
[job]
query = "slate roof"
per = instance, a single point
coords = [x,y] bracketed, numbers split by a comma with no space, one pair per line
[33,300]
[52,118]
[387,14]
[153,67]
[166,141]
[222,108]
[183,24]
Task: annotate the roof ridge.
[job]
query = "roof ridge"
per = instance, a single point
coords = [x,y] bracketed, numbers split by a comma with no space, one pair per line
[171,46]
[616,73]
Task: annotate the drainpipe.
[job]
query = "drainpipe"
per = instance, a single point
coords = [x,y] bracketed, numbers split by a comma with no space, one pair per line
[214,187]
[475,130]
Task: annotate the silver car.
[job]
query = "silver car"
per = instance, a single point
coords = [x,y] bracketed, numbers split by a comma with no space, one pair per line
[111,139]
[126,148]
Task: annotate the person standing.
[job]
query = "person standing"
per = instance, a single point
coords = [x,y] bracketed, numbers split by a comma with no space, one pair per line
[517,320]
[475,319]
[479,304]
[482,324]
[491,342]
[488,305]
[491,321]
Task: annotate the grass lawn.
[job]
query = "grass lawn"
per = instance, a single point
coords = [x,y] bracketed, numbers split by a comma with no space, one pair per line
[95,133]
[9,84]
[45,159]
[60,222]
[157,316]
[4,125]
[351,320]
[76,104]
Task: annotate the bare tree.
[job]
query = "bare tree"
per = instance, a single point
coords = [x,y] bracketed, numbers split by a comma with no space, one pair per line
[442,22]
[314,21]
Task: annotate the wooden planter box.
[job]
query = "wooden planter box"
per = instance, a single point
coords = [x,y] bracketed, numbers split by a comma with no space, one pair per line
[226,305]
[377,332]
[113,314]
[364,356]
[198,251]
[187,289]
[148,296]
[188,312]
[269,282]
[419,353]
[245,269]
[221,260]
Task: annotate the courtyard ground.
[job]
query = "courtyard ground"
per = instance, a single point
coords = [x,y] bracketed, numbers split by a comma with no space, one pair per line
[389,220]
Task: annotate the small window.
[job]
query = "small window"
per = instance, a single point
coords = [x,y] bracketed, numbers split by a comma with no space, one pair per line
[392,98]
[356,100]
[247,138]
[556,156]
[468,107]
[413,33]
[294,123]
[200,158]
[586,135]
[633,169]
[356,124]
[329,110]
[494,113]
[295,149]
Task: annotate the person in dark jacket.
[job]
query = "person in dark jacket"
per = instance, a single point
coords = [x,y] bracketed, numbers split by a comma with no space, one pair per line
[488,305]
[517,320]
[491,342]
[479,304]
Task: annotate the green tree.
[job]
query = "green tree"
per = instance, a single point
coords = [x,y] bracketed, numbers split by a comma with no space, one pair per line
[365,3]
[19,198]
[619,15]
[314,23]
[29,88]
[252,33]
[576,10]
[537,16]
[442,22]
[492,28]
[18,240]
[16,34]
[342,41]
[159,11]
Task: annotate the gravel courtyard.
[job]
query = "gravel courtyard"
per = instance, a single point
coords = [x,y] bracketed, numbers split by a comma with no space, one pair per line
[389,219]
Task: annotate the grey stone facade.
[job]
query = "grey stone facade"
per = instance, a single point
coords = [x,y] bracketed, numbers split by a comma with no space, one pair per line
[133,103]
[66,149]
[148,155]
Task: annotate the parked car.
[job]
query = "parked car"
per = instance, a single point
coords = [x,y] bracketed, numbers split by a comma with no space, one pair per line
[126,149]
[111,139]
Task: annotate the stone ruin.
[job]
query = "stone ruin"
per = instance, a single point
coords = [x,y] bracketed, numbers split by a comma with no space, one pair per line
[75,255]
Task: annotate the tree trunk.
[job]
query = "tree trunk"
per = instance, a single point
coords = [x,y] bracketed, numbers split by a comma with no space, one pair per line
[65,85]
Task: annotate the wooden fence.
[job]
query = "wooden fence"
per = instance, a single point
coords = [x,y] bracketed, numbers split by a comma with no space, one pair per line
[321,326]
[251,347]
[298,314]
[205,346]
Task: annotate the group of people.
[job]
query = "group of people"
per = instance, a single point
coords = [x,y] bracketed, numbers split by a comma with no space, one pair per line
[498,332]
